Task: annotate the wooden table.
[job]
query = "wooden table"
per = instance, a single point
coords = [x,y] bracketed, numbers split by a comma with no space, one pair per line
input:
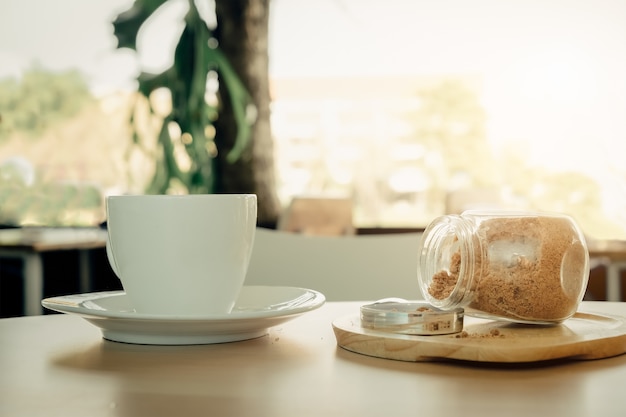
[58,365]
[28,243]
[612,254]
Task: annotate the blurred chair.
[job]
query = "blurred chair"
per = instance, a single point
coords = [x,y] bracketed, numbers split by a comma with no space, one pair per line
[326,216]
[355,267]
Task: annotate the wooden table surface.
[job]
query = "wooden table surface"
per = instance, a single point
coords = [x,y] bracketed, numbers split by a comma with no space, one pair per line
[58,365]
[611,254]
[613,249]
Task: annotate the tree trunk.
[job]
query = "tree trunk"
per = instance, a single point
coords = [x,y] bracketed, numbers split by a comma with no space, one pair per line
[242,33]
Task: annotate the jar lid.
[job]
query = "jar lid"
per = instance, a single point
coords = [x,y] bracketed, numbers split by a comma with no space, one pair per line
[412,318]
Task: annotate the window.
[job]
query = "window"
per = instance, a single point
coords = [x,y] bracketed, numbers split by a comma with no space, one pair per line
[516,104]
[403,104]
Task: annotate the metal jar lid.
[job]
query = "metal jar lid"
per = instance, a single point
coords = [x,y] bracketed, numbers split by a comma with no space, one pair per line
[411,318]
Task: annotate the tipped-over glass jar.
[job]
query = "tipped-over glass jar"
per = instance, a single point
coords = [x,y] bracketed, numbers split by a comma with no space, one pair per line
[517,266]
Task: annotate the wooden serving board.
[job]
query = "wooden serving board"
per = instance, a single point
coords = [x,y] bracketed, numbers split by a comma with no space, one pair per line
[584,336]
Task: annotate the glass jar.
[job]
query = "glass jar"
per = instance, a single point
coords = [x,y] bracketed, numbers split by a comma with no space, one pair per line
[517,266]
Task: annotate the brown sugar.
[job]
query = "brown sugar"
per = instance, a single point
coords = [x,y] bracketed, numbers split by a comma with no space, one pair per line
[493,333]
[444,282]
[526,268]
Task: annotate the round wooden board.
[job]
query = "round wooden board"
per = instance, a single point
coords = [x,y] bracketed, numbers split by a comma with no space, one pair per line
[584,336]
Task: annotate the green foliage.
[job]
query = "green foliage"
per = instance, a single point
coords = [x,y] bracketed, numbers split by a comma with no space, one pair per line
[451,122]
[50,204]
[186,80]
[39,100]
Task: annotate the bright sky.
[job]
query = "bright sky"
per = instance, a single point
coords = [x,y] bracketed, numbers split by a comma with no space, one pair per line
[552,70]
[46,32]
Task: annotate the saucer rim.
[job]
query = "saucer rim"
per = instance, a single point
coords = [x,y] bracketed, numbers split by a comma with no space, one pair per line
[75,304]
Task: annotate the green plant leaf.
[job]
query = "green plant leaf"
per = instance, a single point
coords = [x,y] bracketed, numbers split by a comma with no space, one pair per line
[149,82]
[127,24]
[186,80]
[162,171]
[240,99]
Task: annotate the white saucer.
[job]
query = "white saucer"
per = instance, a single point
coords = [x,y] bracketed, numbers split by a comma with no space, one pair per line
[257,309]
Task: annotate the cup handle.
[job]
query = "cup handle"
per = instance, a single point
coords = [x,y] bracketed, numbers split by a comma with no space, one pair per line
[111,258]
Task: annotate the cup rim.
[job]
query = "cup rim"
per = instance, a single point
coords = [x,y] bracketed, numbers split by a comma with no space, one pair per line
[178,196]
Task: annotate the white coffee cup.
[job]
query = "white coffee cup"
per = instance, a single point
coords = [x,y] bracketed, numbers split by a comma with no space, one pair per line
[184,255]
